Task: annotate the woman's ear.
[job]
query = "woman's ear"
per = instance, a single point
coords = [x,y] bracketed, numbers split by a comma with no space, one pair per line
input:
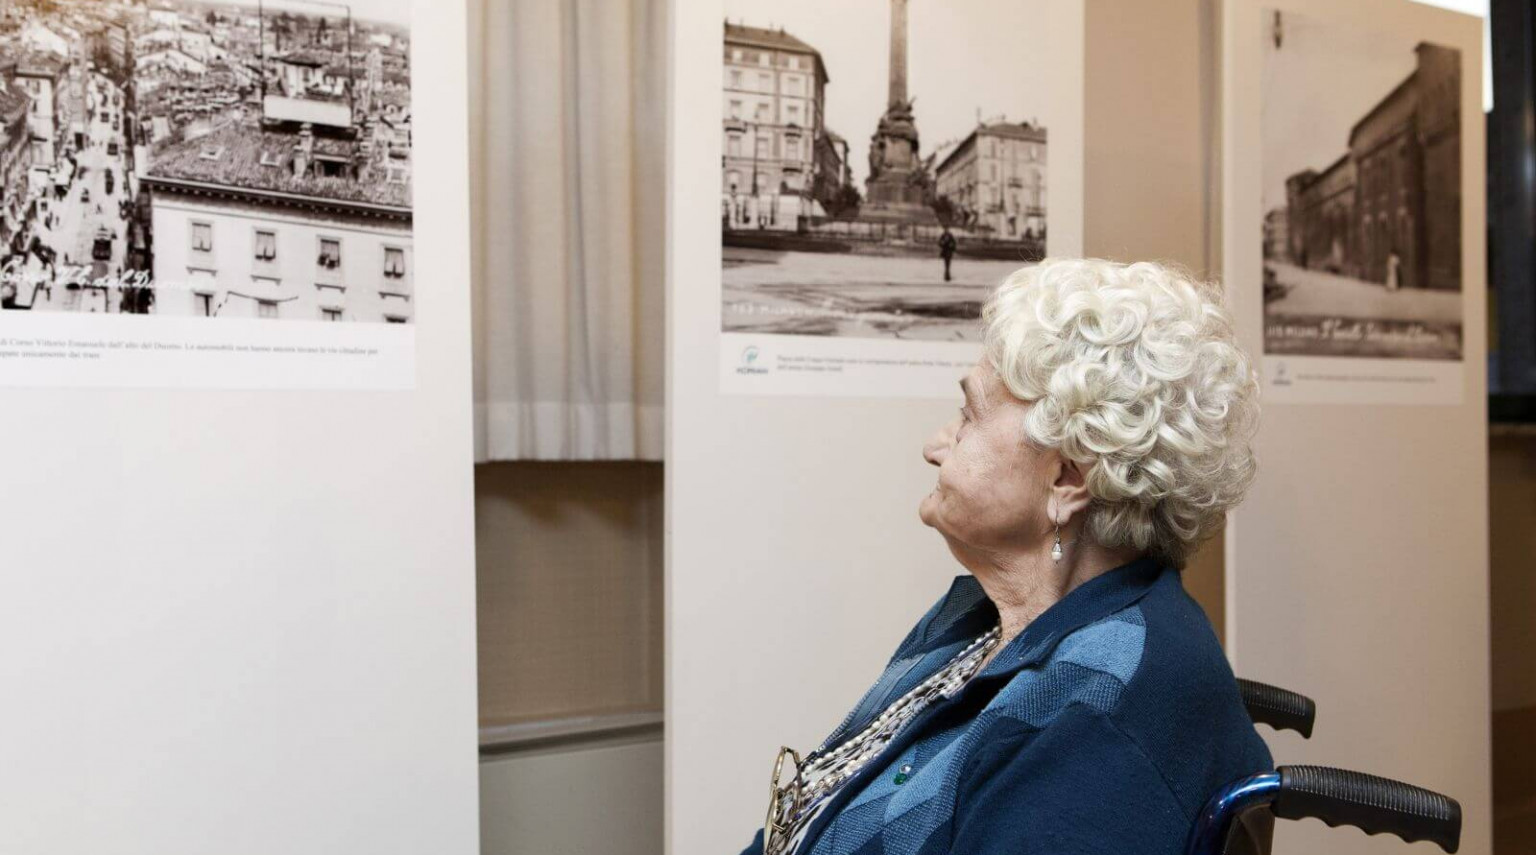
[1069,494]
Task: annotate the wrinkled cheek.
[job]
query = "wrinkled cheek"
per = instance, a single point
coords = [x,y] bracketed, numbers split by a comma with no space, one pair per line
[953,504]
[977,512]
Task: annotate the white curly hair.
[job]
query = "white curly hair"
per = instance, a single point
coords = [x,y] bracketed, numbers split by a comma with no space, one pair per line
[1133,372]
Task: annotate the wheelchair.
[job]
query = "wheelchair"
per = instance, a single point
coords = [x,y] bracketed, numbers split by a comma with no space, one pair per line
[1245,809]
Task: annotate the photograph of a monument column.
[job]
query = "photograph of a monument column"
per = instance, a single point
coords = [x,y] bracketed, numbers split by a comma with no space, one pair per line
[898,234]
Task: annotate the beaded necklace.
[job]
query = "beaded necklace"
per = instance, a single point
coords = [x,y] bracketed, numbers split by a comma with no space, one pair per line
[824,772]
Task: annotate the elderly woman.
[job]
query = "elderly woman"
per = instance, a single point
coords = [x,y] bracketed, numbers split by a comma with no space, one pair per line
[1067,696]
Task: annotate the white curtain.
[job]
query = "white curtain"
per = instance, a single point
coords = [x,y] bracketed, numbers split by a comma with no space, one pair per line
[568,188]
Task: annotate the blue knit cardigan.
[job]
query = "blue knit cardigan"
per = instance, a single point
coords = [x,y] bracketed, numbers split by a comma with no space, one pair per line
[1102,728]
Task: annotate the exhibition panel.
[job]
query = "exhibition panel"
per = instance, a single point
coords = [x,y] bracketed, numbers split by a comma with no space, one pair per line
[1354,253]
[238,610]
[801,387]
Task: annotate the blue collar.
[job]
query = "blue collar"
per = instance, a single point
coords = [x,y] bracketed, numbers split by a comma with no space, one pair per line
[965,612]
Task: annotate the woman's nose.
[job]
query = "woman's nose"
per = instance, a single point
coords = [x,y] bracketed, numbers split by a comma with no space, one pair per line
[937,447]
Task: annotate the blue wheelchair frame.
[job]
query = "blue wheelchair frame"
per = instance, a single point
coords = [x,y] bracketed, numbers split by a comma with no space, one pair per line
[1336,796]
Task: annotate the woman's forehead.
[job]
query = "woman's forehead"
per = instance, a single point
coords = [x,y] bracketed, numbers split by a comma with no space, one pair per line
[987,388]
[984,380]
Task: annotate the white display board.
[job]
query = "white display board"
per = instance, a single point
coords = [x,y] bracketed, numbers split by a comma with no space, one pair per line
[243,620]
[1357,568]
[796,561]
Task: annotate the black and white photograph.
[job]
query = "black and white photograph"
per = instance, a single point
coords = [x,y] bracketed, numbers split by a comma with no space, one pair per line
[1362,209]
[877,181]
[185,158]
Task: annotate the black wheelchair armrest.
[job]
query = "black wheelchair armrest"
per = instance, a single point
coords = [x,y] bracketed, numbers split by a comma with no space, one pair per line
[1335,796]
[1374,805]
[1279,708]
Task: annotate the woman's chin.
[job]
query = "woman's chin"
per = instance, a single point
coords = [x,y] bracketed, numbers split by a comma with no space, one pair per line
[928,510]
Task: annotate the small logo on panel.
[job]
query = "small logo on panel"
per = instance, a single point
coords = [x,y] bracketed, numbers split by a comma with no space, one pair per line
[748,363]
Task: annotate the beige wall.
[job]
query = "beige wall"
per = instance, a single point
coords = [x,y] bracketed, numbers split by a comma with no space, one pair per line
[1147,153]
[569,563]
[1145,135]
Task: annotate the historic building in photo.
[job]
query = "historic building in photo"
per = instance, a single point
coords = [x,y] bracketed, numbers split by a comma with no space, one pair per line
[44,78]
[994,180]
[832,172]
[1396,191]
[113,50]
[1320,209]
[299,211]
[285,196]
[282,224]
[1276,245]
[15,159]
[773,94]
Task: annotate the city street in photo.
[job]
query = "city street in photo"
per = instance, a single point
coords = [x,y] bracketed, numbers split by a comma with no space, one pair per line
[876,182]
[1362,227]
[207,159]
[818,293]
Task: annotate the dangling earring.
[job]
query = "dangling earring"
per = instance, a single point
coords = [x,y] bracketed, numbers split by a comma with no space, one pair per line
[1056,547]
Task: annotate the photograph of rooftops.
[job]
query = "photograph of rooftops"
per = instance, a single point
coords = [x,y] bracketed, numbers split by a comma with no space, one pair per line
[201,159]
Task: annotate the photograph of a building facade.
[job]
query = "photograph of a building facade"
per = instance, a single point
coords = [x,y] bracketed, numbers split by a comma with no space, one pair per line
[206,159]
[1362,228]
[902,236]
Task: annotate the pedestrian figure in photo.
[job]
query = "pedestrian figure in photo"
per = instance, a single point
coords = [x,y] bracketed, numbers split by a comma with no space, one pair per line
[946,250]
[1393,271]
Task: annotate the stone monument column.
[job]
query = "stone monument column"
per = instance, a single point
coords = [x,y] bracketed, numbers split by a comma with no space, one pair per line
[898,76]
[898,182]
